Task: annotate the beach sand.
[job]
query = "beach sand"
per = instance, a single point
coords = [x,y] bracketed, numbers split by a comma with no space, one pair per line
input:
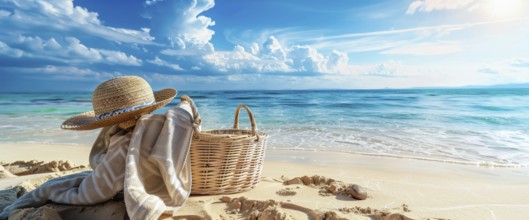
[408,188]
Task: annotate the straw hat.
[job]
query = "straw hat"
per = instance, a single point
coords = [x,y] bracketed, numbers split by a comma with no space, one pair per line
[120,100]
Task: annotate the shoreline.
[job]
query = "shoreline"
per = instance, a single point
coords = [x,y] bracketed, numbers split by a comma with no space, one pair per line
[6,147]
[420,158]
[427,189]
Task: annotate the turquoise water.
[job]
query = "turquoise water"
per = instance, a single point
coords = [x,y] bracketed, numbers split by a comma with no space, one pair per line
[475,126]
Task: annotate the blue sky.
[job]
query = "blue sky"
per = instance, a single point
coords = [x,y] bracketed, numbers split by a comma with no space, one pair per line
[273,44]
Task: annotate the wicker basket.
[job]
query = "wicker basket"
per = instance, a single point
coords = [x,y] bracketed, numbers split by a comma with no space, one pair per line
[227,161]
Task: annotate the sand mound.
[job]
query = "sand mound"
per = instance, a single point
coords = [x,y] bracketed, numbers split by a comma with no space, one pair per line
[254,209]
[21,168]
[271,209]
[329,186]
[5,173]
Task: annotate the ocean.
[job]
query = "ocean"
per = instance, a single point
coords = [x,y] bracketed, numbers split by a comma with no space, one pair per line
[486,127]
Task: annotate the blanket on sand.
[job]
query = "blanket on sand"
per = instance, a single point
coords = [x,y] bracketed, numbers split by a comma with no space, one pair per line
[150,164]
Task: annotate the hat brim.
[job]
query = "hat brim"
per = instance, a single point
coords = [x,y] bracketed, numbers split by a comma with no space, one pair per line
[88,121]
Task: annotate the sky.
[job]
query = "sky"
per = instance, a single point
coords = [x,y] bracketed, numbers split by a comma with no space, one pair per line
[73,45]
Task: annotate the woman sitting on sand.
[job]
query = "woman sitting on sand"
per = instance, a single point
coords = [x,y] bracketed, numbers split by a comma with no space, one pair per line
[142,153]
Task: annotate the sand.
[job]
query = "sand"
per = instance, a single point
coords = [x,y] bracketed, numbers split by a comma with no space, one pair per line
[395,188]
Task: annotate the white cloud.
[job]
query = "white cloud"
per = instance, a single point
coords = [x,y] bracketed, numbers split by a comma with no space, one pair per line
[4,13]
[29,43]
[270,57]
[506,71]
[12,52]
[61,16]
[187,82]
[520,62]
[118,57]
[236,61]
[388,69]
[338,62]
[76,50]
[183,53]
[159,77]
[273,49]
[160,62]
[431,5]
[180,22]
[307,59]
[437,48]
[69,72]
[52,44]
[66,71]
[71,51]
[515,63]
[254,49]
[414,6]
[488,70]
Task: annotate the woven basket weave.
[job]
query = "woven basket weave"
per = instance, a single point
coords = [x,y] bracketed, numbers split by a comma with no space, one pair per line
[227,161]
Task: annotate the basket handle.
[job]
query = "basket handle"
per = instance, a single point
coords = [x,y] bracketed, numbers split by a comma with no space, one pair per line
[250,115]
[197,121]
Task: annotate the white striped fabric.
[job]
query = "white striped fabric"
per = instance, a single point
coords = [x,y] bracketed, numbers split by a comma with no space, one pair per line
[159,152]
[85,188]
[151,164]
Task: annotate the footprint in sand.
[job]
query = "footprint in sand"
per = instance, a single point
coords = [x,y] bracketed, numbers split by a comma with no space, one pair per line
[376,214]
[286,192]
[270,209]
